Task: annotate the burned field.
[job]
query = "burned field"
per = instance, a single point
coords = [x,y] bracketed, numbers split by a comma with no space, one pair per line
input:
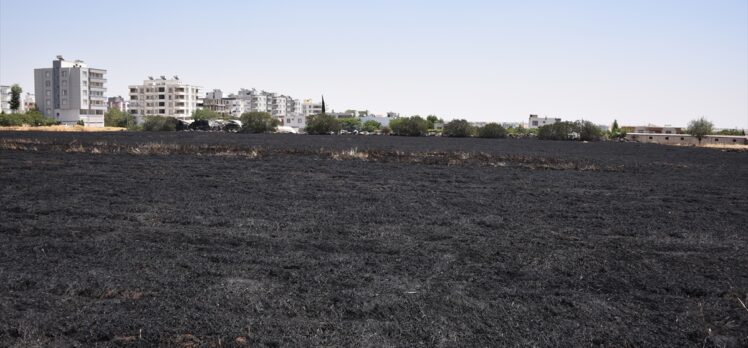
[200,239]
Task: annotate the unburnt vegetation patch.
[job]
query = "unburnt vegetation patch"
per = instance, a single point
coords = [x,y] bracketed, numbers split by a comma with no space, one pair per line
[376,155]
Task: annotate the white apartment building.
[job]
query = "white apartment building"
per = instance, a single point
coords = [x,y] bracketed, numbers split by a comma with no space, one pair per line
[5,99]
[535,122]
[70,91]
[309,108]
[29,102]
[164,97]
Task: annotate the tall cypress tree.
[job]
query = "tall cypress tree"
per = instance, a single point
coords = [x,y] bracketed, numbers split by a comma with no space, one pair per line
[323,104]
[15,97]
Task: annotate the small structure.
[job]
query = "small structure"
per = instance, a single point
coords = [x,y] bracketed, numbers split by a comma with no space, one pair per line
[535,122]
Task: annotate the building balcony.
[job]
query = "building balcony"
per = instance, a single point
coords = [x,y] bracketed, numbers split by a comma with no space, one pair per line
[96,79]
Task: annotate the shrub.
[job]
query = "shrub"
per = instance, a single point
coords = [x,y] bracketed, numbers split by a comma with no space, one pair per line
[80,123]
[409,126]
[117,118]
[385,130]
[371,126]
[32,118]
[258,122]
[557,131]
[579,130]
[492,130]
[458,129]
[205,114]
[161,124]
[350,124]
[588,131]
[322,124]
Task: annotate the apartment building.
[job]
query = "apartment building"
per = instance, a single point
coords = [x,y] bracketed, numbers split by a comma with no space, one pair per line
[29,102]
[535,122]
[164,97]
[118,103]
[70,91]
[5,99]
[308,108]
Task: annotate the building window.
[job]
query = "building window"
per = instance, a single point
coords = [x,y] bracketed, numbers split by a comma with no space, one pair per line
[64,73]
[161,96]
[46,74]
[161,104]
[85,92]
[85,83]
[64,102]
[48,83]
[65,82]
[161,111]
[49,92]
[64,92]
[161,89]
[650,138]
[534,123]
[667,138]
[85,74]
[682,138]
[716,139]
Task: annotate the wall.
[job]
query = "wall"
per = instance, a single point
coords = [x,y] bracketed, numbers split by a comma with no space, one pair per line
[685,139]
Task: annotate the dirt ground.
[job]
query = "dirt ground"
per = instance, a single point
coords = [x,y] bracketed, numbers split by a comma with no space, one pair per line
[204,239]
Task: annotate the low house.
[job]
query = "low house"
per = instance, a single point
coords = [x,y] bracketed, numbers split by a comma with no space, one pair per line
[535,122]
[687,139]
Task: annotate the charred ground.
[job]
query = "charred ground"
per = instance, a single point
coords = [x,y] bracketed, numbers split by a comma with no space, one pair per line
[227,239]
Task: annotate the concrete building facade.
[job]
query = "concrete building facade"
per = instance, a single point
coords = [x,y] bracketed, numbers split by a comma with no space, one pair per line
[70,91]
[5,99]
[535,122]
[118,103]
[687,139]
[164,97]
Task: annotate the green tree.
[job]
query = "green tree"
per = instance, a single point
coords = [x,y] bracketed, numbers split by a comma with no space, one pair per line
[557,131]
[322,124]
[699,128]
[205,114]
[371,126]
[731,132]
[458,129]
[588,131]
[385,130]
[80,123]
[432,119]
[492,130]
[161,124]
[15,97]
[258,122]
[413,126]
[116,118]
[615,128]
[350,123]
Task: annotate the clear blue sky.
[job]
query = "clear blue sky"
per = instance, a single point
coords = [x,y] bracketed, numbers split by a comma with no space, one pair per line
[658,61]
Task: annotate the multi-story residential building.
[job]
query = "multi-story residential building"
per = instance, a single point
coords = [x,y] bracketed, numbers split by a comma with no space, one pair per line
[5,99]
[308,108]
[534,121]
[118,103]
[70,91]
[164,97]
[29,102]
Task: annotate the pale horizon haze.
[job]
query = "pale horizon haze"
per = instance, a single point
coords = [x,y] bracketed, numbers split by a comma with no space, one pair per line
[640,62]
